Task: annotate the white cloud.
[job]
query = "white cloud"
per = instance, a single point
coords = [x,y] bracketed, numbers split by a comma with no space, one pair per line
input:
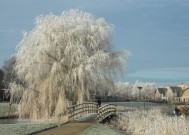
[162,75]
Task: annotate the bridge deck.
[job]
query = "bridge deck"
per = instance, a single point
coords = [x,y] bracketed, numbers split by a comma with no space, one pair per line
[73,127]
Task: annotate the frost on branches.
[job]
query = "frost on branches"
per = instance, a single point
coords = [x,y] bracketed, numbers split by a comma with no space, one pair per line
[64,58]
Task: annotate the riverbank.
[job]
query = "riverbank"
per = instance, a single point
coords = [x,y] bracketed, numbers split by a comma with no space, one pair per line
[4,109]
[23,129]
[101,129]
[93,129]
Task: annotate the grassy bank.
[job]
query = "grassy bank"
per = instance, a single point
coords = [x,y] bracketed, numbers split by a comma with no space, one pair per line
[23,129]
[4,108]
[101,129]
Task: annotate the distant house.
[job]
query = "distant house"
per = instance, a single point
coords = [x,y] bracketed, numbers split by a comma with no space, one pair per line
[183,86]
[173,93]
[177,91]
[161,94]
[162,91]
[169,93]
[185,95]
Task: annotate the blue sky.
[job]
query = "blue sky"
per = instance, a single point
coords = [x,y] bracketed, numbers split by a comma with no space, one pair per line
[156,32]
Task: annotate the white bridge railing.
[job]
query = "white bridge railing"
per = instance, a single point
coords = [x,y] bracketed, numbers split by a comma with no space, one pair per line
[82,109]
[106,111]
[79,110]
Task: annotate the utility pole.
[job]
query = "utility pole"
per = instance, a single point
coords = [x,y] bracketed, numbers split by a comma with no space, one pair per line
[139,95]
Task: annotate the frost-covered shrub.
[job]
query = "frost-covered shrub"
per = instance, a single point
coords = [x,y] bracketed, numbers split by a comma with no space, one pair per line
[152,122]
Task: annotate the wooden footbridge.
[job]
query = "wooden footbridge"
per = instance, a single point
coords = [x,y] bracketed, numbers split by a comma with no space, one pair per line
[82,116]
[90,109]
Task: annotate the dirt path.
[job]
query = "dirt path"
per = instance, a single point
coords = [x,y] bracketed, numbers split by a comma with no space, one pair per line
[71,128]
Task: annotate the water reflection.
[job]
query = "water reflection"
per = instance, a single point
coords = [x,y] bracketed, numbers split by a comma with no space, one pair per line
[13,121]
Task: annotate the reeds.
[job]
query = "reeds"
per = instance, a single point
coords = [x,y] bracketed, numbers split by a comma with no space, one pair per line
[152,122]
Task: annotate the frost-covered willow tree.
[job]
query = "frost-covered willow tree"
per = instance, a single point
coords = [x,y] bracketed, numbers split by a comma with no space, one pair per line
[64,58]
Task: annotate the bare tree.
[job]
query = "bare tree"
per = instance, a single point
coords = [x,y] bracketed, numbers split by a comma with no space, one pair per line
[63,58]
[147,92]
[1,78]
[169,95]
[124,90]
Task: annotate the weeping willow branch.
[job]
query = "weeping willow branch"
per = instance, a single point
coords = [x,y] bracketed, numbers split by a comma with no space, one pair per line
[23,84]
[64,58]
